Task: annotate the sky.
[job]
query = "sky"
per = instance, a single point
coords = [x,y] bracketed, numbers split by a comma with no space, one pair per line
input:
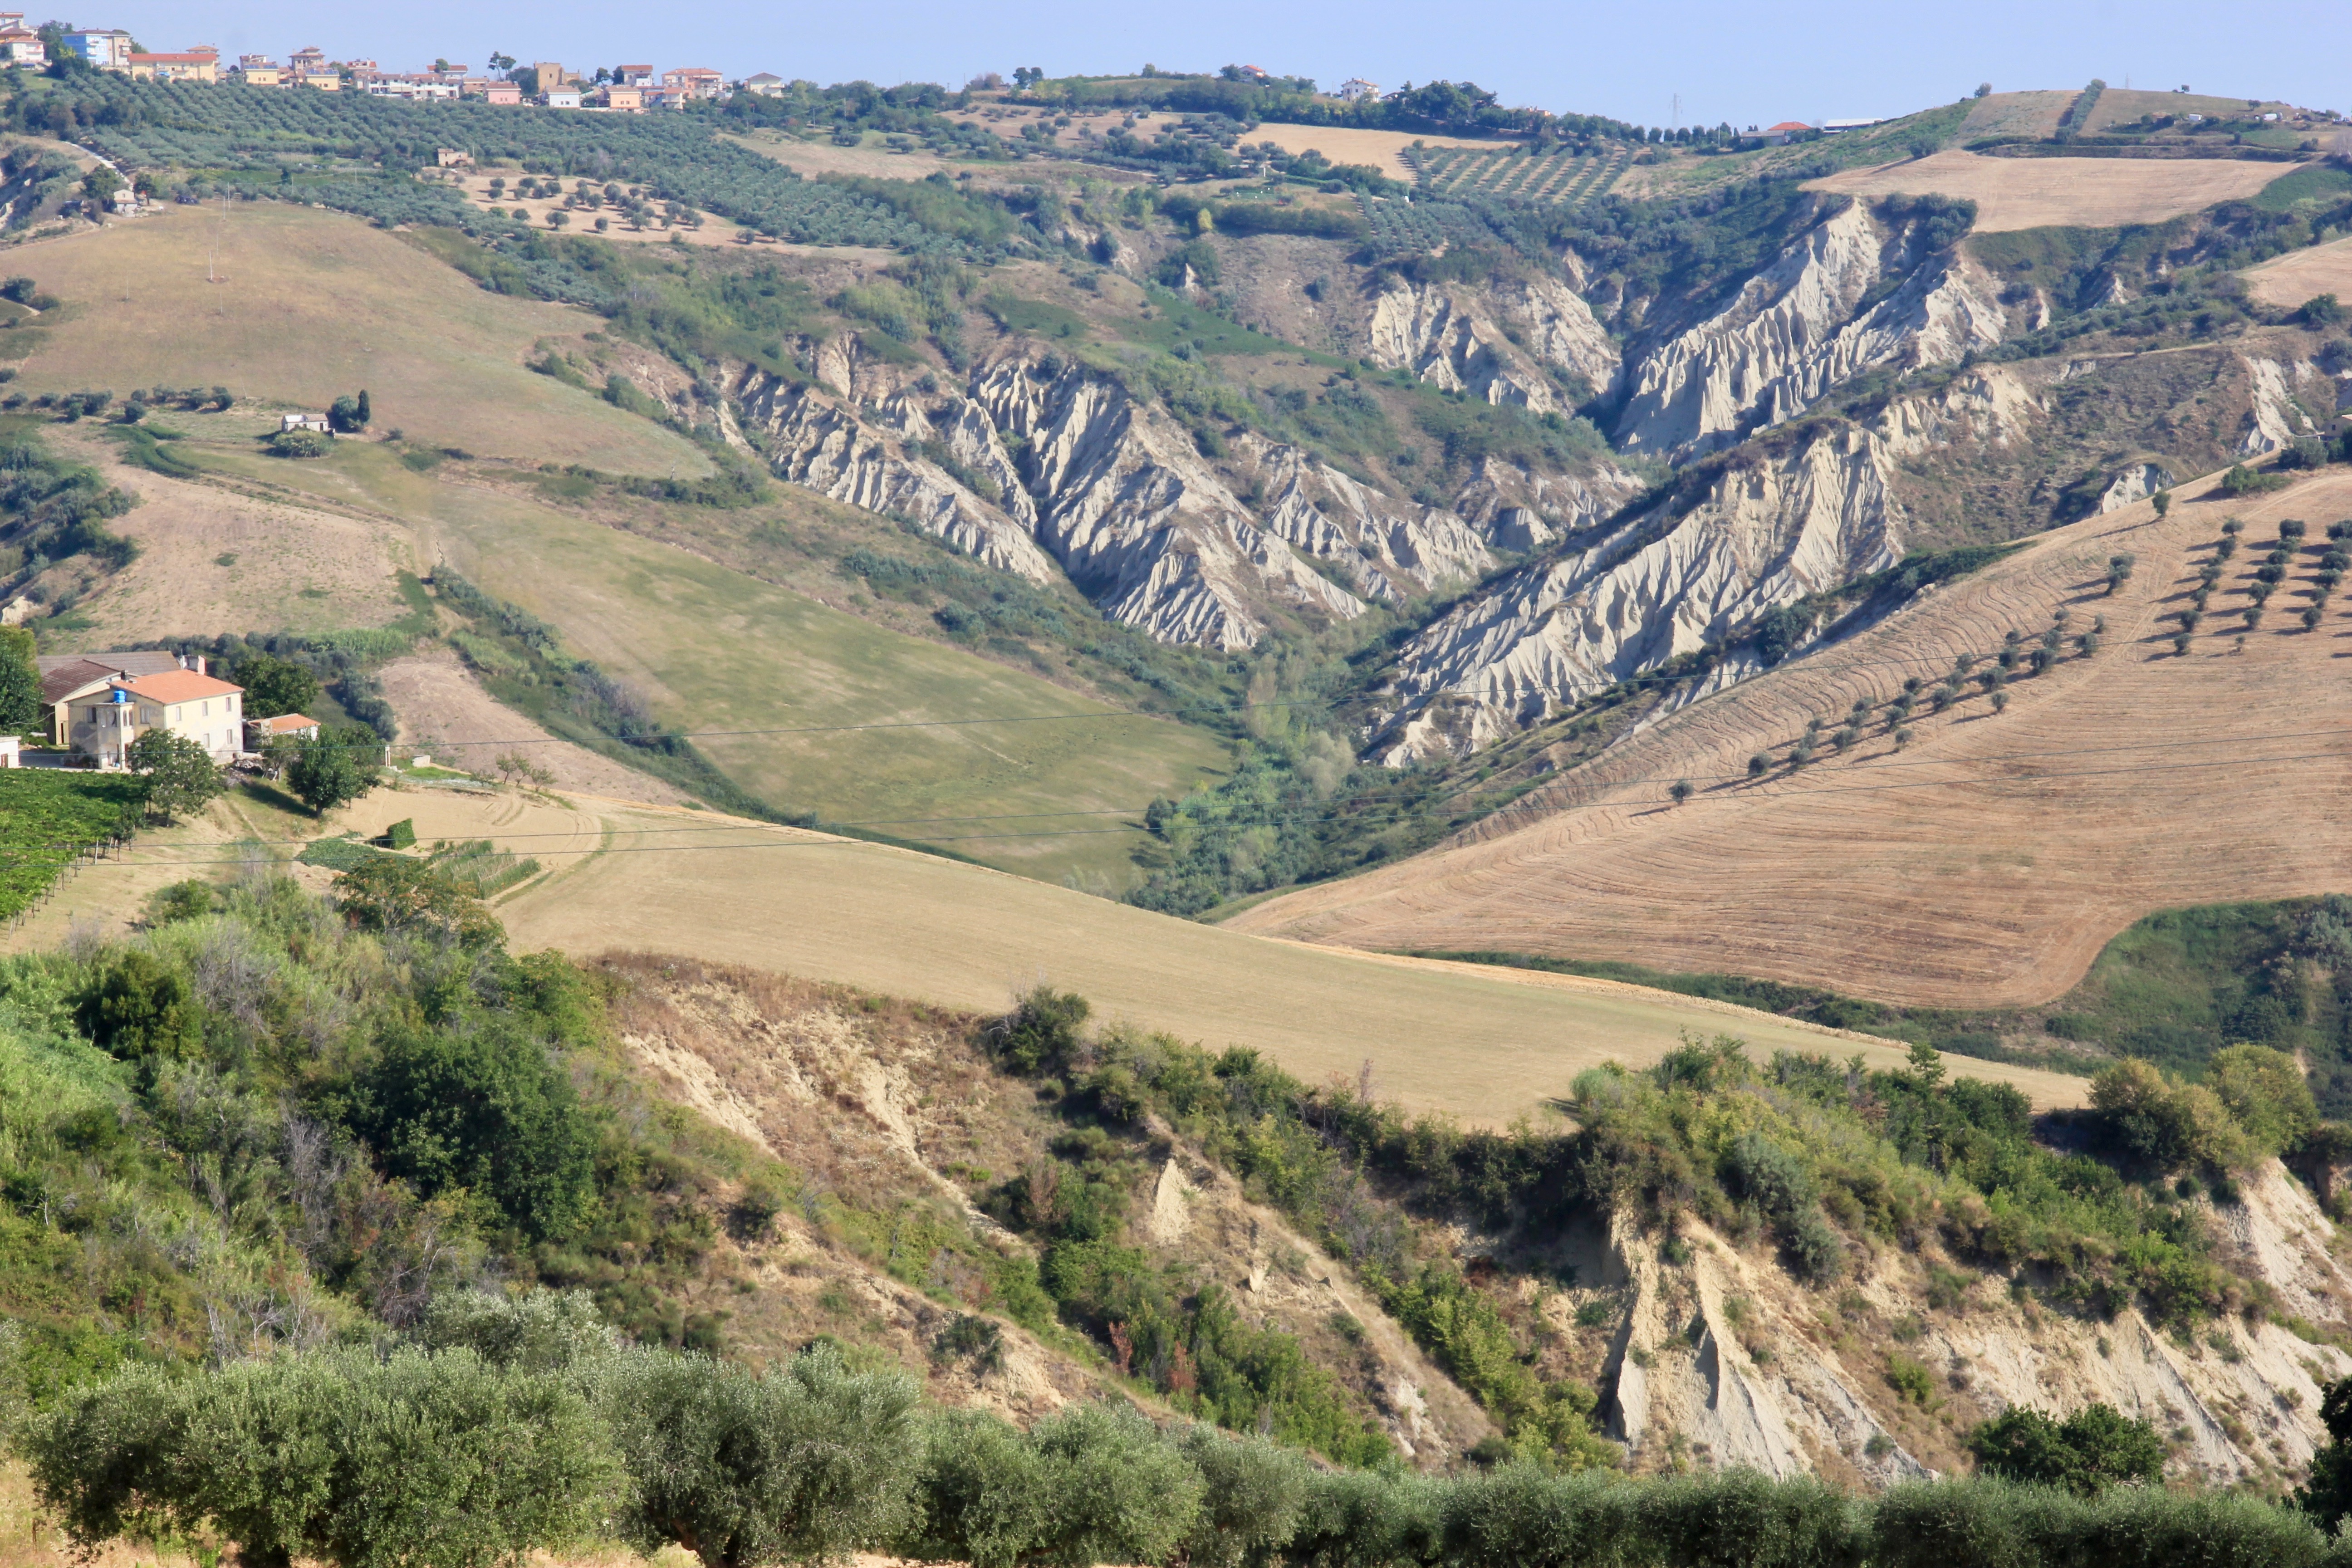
[1744,61]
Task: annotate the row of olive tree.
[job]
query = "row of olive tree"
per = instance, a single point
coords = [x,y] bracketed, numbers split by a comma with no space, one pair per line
[503,1426]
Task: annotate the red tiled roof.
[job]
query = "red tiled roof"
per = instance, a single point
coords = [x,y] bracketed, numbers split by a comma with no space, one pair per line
[181,685]
[286,724]
[1788,125]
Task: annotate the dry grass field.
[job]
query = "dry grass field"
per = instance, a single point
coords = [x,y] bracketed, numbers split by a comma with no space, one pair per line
[312,305]
[1985,866]
[2031,114]
[1484,1045]
[2036,193]
[1383,149]
[2298,275]
[213,560]
[445,713]
[1480,1045]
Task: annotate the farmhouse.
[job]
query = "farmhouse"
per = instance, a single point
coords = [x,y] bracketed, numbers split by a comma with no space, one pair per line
[99,704]
[1356,87]
[259,732]
[317,423]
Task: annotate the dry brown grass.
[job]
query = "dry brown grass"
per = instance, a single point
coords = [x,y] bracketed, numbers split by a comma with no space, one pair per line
[1383,149]
[2036,193]
[313,305]
[444,711]
[1485,1046]
[1984,867]
[2296,277]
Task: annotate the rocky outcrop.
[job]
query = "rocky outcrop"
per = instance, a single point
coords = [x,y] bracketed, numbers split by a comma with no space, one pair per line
[1800,328]
[2278,418]
[1673,579]
[1459,339]
[2136,483]
[816,443]
[1383,547]
[2242,1407]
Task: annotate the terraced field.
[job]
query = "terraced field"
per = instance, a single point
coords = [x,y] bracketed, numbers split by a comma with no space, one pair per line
[1556,179]
[1987,863]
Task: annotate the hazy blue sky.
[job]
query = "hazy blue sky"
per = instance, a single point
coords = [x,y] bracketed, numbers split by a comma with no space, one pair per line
[1746,61]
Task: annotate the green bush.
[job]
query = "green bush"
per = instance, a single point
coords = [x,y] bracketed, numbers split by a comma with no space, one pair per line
[433,1461]
[298,444]
[807,1462]
[138,1005]
[2090,1450]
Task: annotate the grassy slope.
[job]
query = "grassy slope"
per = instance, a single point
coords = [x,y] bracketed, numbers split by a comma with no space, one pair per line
[316,304]
[719,650]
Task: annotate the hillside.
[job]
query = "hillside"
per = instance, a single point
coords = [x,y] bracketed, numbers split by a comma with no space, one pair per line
[2006,847]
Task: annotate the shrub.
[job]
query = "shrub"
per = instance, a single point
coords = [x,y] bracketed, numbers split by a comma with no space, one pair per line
[300,444]
[806,1462]
[2242,481]
[1042,1031]
[140,1007]
[1091,1483]
[435,1460]
[2090,1450]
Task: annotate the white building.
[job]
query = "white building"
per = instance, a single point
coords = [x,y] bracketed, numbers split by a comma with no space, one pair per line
[560,97]
[413,88]
[1356,87]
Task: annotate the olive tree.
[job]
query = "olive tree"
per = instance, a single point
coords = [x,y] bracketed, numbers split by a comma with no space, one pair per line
[418,1460]
[807,1462]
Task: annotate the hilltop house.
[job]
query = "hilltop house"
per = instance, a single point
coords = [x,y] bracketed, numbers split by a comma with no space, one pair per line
[21,45]
[99,704]
[501,92]
[258,70]
[560,97]
[633,76]
[107,48]
[199,63]
[1356,87]
[1786,131]
[694,81]
[625,99]
[767,84]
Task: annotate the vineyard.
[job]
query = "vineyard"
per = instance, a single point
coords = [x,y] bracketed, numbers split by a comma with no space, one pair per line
[51,819]
[478,867]
[1565,178]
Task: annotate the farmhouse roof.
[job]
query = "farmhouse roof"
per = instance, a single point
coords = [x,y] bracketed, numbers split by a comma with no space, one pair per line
[181,685]
[286,724]
[71,676]
[1786,125]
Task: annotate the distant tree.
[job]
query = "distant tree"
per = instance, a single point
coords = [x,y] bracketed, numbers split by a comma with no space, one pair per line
[1984,90]
[2232,527]
[2001,702]
[20,682]
[1680,790]
[2088,643]
[142,1007]
[2119,569]
[343,416]
[558,218]
[2312,616]
[2181,645]
[1759,764]
[180,777]
[2320,311]
[2092,1449]
[2162,501]
[19,289]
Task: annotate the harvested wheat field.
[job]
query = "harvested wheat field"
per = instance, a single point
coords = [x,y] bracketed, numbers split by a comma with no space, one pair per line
[1481,1043]
[1382,150]
[311,305]
[1987,864]
[2299,275]
[2038,193]
[1486,1046]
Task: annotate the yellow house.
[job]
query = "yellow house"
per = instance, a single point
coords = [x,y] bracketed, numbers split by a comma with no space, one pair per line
[197,65]
[101,718]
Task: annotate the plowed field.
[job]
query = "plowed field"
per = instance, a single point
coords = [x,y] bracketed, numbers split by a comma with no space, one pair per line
[1986,865]
[2035,192]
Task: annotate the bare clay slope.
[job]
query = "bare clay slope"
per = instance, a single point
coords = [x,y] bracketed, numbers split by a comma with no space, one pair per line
[1986,865]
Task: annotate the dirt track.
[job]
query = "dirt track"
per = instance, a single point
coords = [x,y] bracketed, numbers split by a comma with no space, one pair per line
[2034,193]
[1987,864]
